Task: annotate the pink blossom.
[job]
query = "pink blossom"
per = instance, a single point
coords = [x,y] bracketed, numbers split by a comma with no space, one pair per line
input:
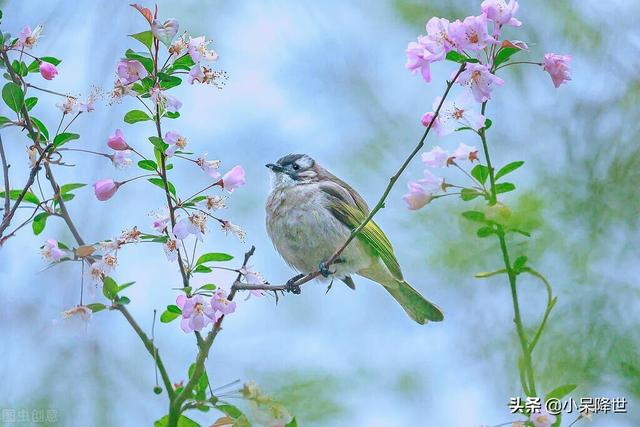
[430,181]
[196,313]
[233,179]
[418,59]
[82,311]
[558,68]
[221,304]
[196,75]
[480,80]
[28,38]
[455,113]
[427,118]
[195,224]
[171,250]
[117,141]
[105,189]
[130,71]
[210,167]
[436,158]
[417,196]
[48,71]
[175,141]
[173,104]
[253,278]
[197,48]
[51,251]
[121,159]
[542,418]
[234,229]
[160,222]
[501,13]
[438,40]
[466,153]
[471,34]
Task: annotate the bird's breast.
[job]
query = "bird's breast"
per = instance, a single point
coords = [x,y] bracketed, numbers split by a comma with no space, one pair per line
[302,228]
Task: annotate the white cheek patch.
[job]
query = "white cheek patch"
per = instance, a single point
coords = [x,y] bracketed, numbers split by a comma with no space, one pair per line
[279,180]
[305,162]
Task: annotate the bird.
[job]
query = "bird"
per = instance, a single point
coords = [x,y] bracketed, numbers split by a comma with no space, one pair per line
[310,213]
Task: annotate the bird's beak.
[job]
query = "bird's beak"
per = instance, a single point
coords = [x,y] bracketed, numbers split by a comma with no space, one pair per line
[274,167]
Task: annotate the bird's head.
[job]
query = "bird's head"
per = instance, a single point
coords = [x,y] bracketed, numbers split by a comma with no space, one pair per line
[293,169]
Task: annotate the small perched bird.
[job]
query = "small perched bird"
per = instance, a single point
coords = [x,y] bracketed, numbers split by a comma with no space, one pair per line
[311,213]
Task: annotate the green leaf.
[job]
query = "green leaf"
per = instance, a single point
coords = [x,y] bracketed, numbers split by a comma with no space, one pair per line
[30,102]
[519,263]
[459,58]
[158,143]
[487,124]
[135,116]
[207,287]
[504,54]
[168,316]
[292,423]
[504,187]
[39,222]
[109,288]
[13,96]
[560,392]
[4,120]
[202,269]
[214,256]
[70,187]
[182,422]
[229,410]
[509,168]
[63,138]
[123,300]
[469,194]
[96,307]
[172,115]
[125,286]
[146,62]
[148,165]
[28,196]
[474,216]
[485,231]
[174,309]
[145,37]
[20,67]
[41,127]
[480,172]
[183,63]
[158,182]
[167,81]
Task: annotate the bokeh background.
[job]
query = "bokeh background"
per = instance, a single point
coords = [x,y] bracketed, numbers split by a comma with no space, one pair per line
[328,79]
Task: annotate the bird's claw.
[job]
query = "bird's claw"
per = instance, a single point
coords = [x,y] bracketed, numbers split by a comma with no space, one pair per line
[323,269]
[291,285]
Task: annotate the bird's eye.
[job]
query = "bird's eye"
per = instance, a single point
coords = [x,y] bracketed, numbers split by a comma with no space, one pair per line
[295,167]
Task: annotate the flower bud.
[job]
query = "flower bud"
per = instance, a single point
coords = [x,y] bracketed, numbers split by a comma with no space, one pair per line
[117,141]
[105,189]
[48,71]
[233,179]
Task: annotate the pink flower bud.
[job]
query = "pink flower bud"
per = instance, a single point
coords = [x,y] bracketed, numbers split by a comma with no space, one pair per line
[105,189]
[233,179]
[117,141]
[427,118]
[48,71]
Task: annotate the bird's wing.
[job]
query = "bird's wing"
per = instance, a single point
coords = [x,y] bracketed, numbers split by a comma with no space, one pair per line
[336,187]
[352,216]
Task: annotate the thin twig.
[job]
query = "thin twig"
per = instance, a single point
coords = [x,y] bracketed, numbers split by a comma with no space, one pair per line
[7,186]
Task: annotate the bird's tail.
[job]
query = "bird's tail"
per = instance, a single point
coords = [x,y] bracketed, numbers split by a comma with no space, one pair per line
[416,306]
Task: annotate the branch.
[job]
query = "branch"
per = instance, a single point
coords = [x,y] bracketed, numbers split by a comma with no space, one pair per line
[151,348]
[5,170]
[32,177]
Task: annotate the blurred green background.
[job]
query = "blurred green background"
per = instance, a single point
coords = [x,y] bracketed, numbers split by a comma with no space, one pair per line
[328,79]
